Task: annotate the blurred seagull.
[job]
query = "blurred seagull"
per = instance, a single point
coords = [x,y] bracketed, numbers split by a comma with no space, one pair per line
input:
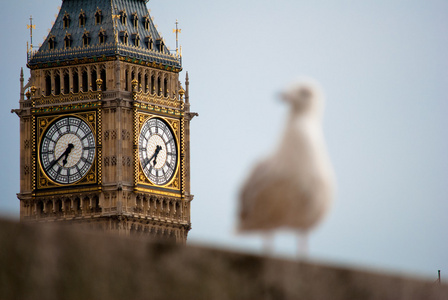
[292,188]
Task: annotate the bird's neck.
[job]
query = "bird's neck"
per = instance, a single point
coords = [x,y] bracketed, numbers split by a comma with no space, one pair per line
[307,116]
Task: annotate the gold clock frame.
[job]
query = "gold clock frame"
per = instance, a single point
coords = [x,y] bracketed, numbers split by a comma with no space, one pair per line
[42,123]
[142,183]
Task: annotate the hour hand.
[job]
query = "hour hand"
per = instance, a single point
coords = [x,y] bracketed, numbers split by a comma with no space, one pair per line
[67,152]
[156,153]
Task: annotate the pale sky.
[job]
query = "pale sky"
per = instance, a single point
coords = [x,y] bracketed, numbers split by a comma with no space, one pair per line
[384,68]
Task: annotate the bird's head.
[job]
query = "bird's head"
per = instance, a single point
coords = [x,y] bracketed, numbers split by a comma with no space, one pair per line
[304,95]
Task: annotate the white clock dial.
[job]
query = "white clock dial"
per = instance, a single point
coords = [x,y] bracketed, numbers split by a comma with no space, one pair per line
[67,150]
[157,151]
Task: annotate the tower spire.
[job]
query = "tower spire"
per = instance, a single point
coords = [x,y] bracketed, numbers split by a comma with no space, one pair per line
[31,27]
[177,31]
[115,16]
[187,88]
[22,92]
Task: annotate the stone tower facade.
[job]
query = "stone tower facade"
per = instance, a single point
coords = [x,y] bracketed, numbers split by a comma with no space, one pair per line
[105,125]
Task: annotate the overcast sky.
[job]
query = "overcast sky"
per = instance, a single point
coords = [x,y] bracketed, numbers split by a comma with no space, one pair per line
[384,68]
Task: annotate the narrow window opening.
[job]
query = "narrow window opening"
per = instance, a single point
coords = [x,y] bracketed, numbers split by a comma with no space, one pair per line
[160,45]
[103,78]
[57,84]
[146,22]
[153,88]
[98,17]
[96,203]
[135,20]
[82,19]
[75,82]
[146,83]
[149,42]
[66,83]
[66,20]
[126,80]
[77,205]
[85,81]
[165,87]
[94,77]
[102,36]
[124,17]
[125,38]
[85,39]
[68,41]
[86,204]
[58,207]
[47,85]
[40,208]
[51,43]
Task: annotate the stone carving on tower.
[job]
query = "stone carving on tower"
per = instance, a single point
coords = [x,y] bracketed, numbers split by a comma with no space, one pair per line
[105,125]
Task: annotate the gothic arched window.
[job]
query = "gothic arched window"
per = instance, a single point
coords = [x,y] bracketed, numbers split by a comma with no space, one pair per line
[82,19]
[146,22]
[102,36]
[161,45]
[85,39]
[137,40]
[66,20]
[68,41]
[51,42]
[125,38]
[135,20]
[123,17]
[98,16]
[149,42]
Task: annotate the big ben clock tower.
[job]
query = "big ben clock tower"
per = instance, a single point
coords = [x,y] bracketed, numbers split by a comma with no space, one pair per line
[104,125]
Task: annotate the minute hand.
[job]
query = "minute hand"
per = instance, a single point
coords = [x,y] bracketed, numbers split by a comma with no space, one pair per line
[65,154]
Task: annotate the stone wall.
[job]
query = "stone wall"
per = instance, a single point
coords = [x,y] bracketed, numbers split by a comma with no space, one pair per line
[53,262]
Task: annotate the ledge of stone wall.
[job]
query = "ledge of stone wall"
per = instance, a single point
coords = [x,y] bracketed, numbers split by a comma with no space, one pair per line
[53,262]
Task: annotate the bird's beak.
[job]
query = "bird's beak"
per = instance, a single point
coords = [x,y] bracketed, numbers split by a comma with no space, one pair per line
[282,96]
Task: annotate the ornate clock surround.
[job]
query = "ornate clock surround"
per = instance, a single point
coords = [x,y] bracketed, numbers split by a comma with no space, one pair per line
[141,181]
[42,123]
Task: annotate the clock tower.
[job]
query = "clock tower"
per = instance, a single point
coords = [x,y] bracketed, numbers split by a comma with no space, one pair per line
[105,125]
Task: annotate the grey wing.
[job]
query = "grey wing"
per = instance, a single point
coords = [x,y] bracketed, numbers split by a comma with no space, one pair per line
[259,198]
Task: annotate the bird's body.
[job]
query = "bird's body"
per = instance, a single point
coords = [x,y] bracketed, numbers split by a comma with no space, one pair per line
[293,187]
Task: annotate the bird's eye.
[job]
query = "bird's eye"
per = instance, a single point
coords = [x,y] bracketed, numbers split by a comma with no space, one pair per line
[305,93]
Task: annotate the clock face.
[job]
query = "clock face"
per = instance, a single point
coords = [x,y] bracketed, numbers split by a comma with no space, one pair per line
[157,151]
[67,150]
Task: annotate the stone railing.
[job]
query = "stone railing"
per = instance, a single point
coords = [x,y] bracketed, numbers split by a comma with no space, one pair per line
[138,53]
[57,262]
[157,100]
[67,98]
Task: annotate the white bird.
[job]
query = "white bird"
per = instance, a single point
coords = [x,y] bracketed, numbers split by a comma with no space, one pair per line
[293,188]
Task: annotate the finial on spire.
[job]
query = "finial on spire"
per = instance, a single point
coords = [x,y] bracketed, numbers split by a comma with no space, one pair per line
[22,90]
[187,88]
[177,31]
[115,17]
[31,27]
